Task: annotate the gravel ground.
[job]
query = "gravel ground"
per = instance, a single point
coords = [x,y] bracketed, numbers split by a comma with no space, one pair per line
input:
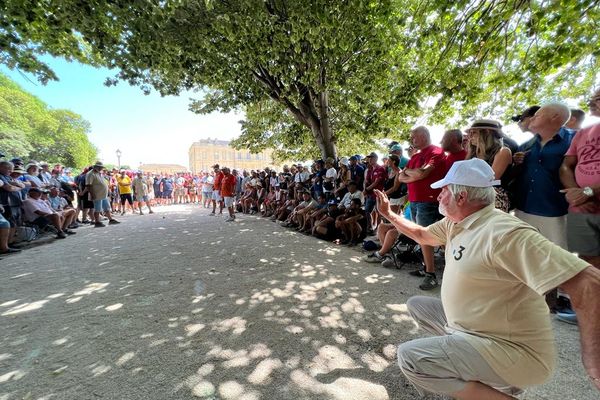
[180,305]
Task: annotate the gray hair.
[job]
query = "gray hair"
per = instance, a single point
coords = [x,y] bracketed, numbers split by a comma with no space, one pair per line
[482,195]
[7,164]
[562,111]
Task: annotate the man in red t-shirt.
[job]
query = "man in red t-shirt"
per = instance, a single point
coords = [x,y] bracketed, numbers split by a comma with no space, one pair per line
[228,183]
[216,196]
[426,166]
[452,144]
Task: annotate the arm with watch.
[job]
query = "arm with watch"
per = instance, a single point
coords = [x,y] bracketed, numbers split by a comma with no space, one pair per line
[583,197]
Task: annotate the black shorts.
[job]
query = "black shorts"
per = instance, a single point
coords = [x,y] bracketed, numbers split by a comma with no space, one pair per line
[126,198]
[41,222]
[85,203]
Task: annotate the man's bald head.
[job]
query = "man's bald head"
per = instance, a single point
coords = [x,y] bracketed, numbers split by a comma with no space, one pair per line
[420,137]
[550,118]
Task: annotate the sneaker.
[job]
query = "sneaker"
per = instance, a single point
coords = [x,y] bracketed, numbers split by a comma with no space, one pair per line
[568,317]
[229,219]
[389,262]
[211,214]
[374,257]
[430,282]
[418,273]
[61,235]
[151,212]
[99,225]
[113,222]
[70,232]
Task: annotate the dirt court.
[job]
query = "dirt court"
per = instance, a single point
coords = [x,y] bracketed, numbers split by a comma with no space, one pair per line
[180,305]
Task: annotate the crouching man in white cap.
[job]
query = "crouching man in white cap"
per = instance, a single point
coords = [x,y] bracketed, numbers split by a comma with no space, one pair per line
[492,329]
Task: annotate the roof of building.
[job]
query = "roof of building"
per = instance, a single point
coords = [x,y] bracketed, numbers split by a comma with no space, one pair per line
[215,142]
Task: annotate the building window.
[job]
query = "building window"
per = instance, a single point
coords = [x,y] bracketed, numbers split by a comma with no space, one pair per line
[239,155]
[248,156]
[216,155]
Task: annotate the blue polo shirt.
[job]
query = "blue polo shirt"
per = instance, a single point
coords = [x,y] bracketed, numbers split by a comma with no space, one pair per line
[538,188]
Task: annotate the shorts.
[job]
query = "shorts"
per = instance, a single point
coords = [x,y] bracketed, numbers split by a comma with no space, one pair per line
[216,195]
[85,203]
[101,205]
[583,234]
[167,194]
[125,198]
[143,199]
[424,213]
[228,201]
[397,202]
[207,195]
[157,193]
[4,224]
[180,192]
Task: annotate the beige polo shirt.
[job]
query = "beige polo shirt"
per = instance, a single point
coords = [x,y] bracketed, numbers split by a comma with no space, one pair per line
[99,185]
[497,270]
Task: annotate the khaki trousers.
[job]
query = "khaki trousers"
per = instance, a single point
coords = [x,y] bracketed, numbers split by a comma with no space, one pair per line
[445,363]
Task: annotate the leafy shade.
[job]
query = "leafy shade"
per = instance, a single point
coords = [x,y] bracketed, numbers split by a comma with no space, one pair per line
[316,75]
[31,130]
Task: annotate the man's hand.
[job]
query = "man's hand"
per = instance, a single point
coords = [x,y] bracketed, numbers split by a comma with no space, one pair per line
[575,196]
[383,203]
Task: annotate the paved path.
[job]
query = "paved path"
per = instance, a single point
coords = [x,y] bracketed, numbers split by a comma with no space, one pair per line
[179,305]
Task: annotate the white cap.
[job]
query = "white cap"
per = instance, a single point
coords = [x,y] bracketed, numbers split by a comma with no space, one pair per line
[474,172]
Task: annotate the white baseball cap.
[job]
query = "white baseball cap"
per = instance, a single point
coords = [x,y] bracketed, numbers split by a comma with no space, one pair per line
[474,172]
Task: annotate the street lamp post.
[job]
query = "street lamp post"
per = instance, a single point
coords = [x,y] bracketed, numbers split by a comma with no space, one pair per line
[119,158]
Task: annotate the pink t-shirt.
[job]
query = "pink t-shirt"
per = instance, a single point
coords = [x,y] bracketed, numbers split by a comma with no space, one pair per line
[586,147]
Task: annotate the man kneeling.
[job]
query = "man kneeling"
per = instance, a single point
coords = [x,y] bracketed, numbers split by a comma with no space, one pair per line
[492,330]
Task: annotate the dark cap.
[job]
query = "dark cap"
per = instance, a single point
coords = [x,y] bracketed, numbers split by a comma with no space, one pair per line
[372,155]
[529,112]
[17,160]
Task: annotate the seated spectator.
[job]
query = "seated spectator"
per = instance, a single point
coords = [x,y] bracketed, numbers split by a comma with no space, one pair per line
[486,144]
[31,176]
[60,205]
[38,212]
[387,235]
[270,201]
[344,177]
[324,226]
[315,214]
[329,180]
[353,193]
[308,205]
[307,201]
[352,224]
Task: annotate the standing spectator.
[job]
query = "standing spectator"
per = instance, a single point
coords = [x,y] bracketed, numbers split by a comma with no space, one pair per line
[157,189]
[538,198]
[45,175]
[84,204]
[537,195]
[426,166]
[167,189]
[576,120]
[375,177]
[318,178]
[125,191]
[216,195]
[393,188]
[396,150]
[228,188]
[97,187]
[357,172]
[140,191]
[329,180]
[453,146]
[580,175]
[486,143]
[10,199]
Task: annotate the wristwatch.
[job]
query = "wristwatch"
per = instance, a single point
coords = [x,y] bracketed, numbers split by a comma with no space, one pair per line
[588,191]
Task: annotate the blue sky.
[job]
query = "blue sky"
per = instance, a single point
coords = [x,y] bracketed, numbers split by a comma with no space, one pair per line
[147,129]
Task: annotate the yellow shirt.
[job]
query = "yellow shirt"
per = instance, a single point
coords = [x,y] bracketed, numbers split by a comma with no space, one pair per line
[497,270]
[124,184]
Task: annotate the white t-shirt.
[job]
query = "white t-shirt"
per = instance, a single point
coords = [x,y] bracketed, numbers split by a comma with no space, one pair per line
[301,177]
[330,175]
[30,206]
[347,199]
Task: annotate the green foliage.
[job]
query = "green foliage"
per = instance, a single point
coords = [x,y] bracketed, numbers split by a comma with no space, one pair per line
[29,129]
[314,76]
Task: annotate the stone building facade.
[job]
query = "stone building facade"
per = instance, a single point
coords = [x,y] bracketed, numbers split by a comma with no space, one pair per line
[205,153]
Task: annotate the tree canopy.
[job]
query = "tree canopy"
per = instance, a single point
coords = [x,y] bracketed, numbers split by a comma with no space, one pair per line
[31,130]
[316,75]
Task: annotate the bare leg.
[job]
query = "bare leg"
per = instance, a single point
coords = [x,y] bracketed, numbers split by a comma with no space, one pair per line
[428,258]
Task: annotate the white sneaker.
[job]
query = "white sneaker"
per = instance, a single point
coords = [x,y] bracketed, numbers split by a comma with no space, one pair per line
[374,257]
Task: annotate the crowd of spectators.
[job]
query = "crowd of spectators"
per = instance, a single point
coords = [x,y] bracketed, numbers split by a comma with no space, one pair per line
[543,180]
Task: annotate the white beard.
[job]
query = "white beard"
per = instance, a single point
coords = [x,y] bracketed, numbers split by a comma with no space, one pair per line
[442,210]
